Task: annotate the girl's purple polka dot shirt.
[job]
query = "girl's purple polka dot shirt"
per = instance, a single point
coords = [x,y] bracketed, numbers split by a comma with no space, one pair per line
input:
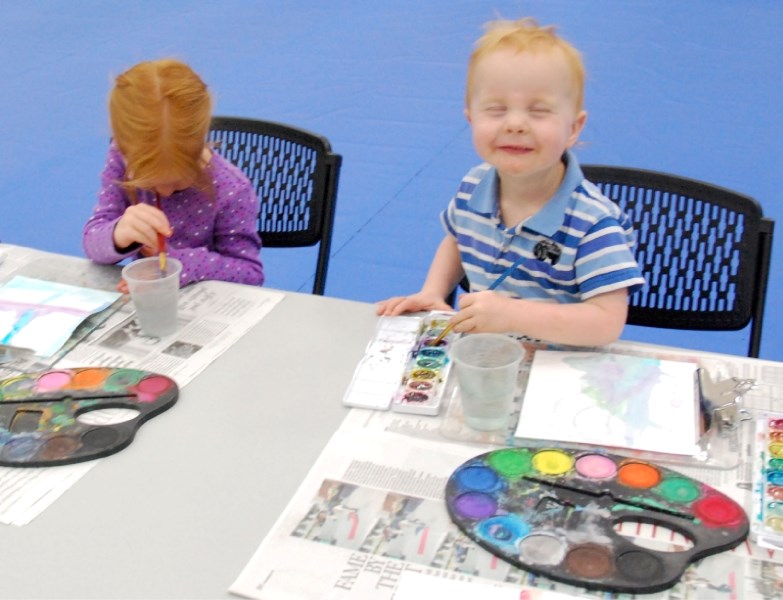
[214,238]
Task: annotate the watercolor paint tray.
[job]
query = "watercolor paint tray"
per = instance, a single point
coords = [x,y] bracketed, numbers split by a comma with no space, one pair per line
[426,373]
[555,512]
[401,369]
[45,416]
[767,507]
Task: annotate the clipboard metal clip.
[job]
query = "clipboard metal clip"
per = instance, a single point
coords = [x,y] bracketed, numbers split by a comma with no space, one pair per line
[723,400]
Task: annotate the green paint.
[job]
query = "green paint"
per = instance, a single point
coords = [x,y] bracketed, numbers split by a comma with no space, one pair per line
[679,489]
[776,463]
[512,463]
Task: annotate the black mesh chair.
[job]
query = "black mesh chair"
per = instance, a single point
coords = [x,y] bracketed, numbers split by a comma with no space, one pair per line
[295,174]
[704,251]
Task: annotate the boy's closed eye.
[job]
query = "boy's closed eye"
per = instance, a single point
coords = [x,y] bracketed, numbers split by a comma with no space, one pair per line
[540,110]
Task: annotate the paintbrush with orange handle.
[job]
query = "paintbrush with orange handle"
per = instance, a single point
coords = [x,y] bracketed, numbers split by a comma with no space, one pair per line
[161,240]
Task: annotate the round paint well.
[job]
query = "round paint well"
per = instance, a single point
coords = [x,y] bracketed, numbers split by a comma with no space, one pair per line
[679,489]
[717,511]
[430,340]
[18,384]
[475,505]
[512,463]
[477,479]
[58,447]
[776,464]
[542,549]
[89,378]
[775,508]
[595,466]
[53,380]
[552,462]
[775,492]
[774,523]
[122,379]
[19,449]
[639,565]
[638,475]
[428,363]
[155,384]
[589,561]
[776,436]
[776,424]
[423,374]
[503,530]
[418,385]
[432,353]
[775,477]
[100,437]
[776,449]
[415,397]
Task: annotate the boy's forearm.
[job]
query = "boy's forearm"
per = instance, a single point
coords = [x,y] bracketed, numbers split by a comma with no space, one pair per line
[445,271]
[580,324]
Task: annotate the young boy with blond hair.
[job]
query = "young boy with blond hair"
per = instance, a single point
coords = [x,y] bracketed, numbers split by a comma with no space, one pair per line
[546,254]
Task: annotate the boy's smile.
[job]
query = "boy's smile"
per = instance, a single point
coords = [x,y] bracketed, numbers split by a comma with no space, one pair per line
[522,110]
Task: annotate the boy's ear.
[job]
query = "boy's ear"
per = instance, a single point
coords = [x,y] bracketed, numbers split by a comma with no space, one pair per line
[467,114]
[576,128]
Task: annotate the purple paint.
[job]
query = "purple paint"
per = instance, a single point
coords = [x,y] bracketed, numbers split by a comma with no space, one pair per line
[475,505]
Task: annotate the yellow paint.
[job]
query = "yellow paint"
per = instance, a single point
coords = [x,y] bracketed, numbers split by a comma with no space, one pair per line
[552,462]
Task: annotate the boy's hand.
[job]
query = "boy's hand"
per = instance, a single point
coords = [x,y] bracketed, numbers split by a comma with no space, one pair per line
[140,224]
[414,303]
[483,312]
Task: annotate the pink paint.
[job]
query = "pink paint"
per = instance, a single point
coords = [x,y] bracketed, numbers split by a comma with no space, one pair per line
[595,466]
[149,388]
[53,380]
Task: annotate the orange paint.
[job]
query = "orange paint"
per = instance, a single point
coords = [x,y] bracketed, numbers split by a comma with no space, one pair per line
[638,475]
[89,378]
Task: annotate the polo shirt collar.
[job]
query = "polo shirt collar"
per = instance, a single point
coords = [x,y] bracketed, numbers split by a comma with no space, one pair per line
[548,220]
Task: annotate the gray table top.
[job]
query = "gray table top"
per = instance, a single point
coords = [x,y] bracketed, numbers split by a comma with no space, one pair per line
[180,512]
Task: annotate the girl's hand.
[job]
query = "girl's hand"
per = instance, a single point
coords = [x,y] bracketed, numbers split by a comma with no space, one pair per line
[483,312]
[141,224]
[414,303]
[122,287]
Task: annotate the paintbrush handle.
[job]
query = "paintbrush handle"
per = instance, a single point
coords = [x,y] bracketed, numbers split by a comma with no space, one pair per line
[442,335]
[161,239]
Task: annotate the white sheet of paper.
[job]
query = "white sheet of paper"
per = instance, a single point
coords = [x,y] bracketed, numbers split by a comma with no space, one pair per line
[611,400]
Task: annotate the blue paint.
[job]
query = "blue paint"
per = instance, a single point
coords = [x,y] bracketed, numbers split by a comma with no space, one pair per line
[775,477]
[503,530]
[480,479]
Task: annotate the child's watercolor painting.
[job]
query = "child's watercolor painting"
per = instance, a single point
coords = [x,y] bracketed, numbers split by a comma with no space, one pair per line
[42,315]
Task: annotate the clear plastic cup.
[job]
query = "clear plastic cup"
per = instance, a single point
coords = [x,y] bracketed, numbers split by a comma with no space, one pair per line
[487,367]
[155,295]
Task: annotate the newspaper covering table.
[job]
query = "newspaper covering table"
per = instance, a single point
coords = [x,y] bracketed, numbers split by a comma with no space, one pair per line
[212,316]
[372,510]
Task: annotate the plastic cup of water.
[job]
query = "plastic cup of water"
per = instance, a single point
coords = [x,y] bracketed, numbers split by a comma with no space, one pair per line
[487,366]
[155,294]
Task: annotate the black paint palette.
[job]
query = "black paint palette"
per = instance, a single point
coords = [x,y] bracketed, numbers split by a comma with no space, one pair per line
[40,413]
[554,511]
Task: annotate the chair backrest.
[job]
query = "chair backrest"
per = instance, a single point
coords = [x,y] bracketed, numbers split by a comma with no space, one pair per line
[704,250]
[295,174]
